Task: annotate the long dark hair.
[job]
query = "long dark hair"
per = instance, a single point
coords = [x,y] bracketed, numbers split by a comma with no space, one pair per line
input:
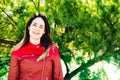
[45,39]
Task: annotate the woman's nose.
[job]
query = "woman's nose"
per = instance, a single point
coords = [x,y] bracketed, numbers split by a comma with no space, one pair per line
[37,28]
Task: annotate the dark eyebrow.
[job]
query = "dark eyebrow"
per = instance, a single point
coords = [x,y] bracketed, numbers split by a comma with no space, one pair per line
[34,22]
[41,25]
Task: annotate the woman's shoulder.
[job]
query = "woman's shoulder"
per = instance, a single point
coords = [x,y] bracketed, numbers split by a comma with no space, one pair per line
[54,47]
[53,50]
[17,51]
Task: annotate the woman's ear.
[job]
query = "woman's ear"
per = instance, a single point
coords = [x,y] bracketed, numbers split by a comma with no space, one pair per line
[44,32]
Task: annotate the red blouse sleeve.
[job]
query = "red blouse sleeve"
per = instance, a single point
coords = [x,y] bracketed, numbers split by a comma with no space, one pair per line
[58,75]
[14,68]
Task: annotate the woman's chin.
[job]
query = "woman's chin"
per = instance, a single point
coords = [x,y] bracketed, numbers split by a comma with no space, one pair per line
[36,37]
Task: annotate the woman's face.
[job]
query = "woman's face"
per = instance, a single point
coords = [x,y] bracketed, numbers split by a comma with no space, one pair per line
[37,28]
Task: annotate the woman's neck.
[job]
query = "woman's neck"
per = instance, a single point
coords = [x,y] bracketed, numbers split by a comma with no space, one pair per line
[33,41]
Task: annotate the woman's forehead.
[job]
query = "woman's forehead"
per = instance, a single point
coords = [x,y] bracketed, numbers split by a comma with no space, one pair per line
[38,20]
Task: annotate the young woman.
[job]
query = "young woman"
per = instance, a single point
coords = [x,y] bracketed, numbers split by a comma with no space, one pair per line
[36,57]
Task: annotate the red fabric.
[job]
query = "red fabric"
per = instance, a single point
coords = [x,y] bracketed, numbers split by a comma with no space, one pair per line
[23,64]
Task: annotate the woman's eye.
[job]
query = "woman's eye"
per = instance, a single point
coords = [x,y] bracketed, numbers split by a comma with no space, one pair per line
[41,27]
[34,24]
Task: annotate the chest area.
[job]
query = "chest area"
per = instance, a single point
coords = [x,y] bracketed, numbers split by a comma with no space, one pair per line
[27,66]
[29,53]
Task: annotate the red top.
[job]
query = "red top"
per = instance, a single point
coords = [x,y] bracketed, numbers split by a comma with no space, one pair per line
[24,65]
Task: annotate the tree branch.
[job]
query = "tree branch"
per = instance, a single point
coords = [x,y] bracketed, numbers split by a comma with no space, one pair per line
[38,5]
[89,63]
[108,23]
[84,66]
[114,23]
[34,4]
[7,42]
[9,17]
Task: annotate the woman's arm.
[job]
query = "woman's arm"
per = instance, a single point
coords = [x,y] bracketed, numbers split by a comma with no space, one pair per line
[14,68]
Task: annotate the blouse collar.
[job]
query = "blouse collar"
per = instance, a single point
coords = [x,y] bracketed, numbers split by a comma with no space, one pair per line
[34,45]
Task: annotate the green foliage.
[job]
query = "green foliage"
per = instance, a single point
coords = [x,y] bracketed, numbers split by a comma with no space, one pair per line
[99,75]
[87,74]
[4,58]
[86,31]
[84,75]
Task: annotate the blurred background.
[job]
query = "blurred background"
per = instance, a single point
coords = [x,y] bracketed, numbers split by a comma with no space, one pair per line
[87,32]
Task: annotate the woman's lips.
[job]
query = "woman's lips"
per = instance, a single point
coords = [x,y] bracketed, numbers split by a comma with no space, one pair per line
[36,33]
